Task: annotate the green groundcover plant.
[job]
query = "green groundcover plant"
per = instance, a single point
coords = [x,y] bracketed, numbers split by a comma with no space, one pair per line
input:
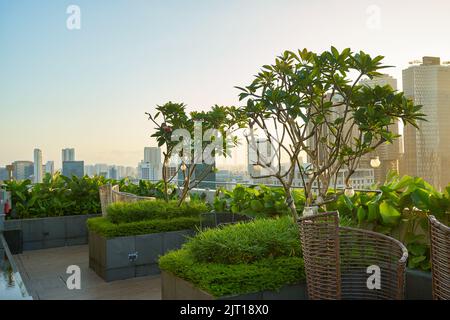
[247,257]
[145,217]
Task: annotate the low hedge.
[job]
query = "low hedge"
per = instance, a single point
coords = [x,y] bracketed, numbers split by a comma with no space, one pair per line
[240,259]
[145,217]
[156,209]
[106,228]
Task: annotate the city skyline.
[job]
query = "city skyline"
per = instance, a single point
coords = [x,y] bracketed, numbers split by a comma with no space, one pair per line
[90,88]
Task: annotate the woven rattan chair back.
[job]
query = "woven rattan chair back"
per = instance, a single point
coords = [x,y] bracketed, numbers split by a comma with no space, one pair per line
[339,261]
[320,245]
[111,194]
[440,259]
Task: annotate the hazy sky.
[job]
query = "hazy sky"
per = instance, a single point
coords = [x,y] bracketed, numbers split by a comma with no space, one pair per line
[89,88]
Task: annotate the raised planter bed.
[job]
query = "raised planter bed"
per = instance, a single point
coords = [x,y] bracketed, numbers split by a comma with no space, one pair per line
[175,288]
[45,233]
[134,256]
[418,287]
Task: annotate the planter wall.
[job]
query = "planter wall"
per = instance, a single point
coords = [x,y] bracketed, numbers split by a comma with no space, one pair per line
[52,232]
[216,219]
[418,285]
[175,288]
[135,256]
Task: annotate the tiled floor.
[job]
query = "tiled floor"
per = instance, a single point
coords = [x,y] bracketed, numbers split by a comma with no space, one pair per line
[44,274]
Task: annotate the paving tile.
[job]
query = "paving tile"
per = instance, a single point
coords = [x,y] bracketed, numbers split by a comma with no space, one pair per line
[44,274]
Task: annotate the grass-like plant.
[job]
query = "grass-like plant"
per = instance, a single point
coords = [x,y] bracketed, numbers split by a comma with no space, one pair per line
[248,257]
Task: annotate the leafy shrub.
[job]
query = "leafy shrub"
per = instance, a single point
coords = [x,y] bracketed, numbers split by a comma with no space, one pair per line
[149,210]
[58,195]
[55,196]
[247,242]
[257,201]
[400,210]
[234,279]
[106,228]
[146,188]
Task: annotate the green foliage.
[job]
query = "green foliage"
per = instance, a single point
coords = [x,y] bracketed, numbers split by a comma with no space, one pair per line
[256,201]
[248,257]
[55,196]
[58,195]
[147,189]
[106,228]
[149,210]
[234,279]
[401,210]
[308,96]
[247,242]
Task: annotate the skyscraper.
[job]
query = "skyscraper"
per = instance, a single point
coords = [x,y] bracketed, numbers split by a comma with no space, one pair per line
[50,167]
[151,167]
[257,154]
[73,168]
[22,170]
[427,151]
[37,166]
[389,154]
[68,154]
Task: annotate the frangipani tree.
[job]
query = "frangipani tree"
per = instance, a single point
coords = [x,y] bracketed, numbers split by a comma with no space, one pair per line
[195,139]
[307,103]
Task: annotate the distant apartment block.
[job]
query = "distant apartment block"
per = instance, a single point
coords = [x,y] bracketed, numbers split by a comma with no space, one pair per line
[50,167]
[427,151]
[73,168]
[204,176]
[4,175]
[389,154]
[68,154]
[23,170]
[151,167]
[260,155]
[38,173]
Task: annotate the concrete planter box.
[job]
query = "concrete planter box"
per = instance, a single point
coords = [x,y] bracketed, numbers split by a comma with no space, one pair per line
[175,288]
[216,219]
[51,232]
[135,256]
[418,285]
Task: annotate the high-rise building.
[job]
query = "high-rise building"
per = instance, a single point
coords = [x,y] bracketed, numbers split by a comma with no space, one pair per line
[389,154]
[151,167]
[38,174]
[89,170]
[73,168]
[427,151]
[68,154]
[258,154]
[204,176]
[113,173]
[152,155]
[4,176]
[23,170]
[101,169]
[50,167]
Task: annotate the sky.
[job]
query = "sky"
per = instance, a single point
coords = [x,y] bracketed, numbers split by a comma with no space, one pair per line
[89,89]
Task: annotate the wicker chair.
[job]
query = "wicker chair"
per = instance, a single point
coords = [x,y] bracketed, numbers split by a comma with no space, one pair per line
[337,260]
[440,259]
[111,194]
